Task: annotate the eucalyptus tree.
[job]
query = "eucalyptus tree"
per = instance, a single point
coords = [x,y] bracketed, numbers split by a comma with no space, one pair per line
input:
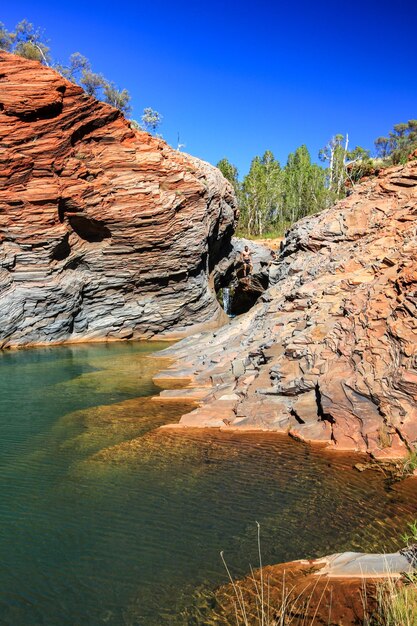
[25,41]
[119,98]
[399,144]
[262,194]
[230,172]
[151,120]
[335,153]
[304,185]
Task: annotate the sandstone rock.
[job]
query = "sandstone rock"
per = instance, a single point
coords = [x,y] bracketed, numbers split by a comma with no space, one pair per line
[336,333]
[105,232]
[336,589]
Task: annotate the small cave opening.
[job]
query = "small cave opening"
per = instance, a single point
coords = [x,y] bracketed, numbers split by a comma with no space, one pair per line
[62,250]
[237,291]
[88,229]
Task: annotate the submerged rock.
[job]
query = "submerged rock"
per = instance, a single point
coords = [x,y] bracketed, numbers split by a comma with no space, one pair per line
[329,353]
[105,232]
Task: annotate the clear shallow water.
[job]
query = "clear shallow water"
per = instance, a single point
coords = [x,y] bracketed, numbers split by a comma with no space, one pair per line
[104,520]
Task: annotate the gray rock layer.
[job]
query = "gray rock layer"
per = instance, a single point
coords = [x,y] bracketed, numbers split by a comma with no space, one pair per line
[105,232]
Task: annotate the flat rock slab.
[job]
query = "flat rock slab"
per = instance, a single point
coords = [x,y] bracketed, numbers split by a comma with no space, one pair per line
[361,565]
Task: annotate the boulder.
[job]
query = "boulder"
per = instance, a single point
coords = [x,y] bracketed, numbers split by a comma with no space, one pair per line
[105,232]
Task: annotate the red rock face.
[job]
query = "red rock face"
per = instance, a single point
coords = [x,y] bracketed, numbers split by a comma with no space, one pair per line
[331,355]
[105,232]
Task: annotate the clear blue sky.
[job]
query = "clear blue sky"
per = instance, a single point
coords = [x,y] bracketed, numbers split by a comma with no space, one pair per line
[237,78]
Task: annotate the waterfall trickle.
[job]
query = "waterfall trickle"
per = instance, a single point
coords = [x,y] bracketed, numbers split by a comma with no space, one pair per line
[226,300]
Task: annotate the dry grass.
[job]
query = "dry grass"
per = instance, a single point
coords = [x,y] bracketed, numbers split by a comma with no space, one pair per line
[253,607]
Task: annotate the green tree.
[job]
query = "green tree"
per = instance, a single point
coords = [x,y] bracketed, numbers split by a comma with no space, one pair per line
[92,82]
[399,144]
[382,146]
[335,153]
[151,120]
[27,42]
[6,38]
[117,98]
[304,186]
[359,164]
[78,63]
[230,172]
[261,198]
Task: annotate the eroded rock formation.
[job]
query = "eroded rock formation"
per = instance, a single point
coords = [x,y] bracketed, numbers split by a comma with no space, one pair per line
[245,287]
[105,232]
[330,352]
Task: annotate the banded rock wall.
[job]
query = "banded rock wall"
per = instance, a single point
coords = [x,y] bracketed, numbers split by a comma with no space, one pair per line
[105,232]
[330,354]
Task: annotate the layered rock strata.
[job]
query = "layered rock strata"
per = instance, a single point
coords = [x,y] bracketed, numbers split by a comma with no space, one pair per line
[330,352]
[245,287]
[105,232]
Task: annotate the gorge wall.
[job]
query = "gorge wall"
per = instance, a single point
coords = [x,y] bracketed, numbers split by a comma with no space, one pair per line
[329,354]
[105,232]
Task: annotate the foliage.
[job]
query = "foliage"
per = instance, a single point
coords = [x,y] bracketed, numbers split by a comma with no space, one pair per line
[6,38]
[271,198]
[261,194]
[304,186]
[27,41]
[118,98]
[230,172]
[396,604]
[92,82]
[399,144]
[410,535]
[151,120]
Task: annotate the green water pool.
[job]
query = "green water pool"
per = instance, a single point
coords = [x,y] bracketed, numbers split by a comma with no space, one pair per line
[104,519]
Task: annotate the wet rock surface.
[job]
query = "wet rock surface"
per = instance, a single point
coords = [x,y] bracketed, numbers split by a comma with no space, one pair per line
[245,287]
[329,353]
[105,232]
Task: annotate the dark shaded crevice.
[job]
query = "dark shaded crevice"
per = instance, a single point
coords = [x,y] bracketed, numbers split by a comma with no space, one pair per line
[64,205]
[62,250]
[88,229]
[44,113]
[75,263]
[294,413]
[92,125]
[321,414]
[219,249]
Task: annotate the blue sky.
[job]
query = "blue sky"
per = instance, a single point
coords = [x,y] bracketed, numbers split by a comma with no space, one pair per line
[237,78]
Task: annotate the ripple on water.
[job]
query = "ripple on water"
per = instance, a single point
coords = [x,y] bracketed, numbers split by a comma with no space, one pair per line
[106,519]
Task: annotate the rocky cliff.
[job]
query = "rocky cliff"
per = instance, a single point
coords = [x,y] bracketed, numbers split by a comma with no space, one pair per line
[330,354]
[105,232]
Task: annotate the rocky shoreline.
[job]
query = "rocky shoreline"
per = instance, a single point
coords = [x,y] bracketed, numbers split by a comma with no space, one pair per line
[328,354]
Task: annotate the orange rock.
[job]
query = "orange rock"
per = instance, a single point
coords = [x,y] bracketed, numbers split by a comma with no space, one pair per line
[106,232]
[336,334]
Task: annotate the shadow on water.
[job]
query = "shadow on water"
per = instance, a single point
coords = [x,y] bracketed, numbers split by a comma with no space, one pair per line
[106,520]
